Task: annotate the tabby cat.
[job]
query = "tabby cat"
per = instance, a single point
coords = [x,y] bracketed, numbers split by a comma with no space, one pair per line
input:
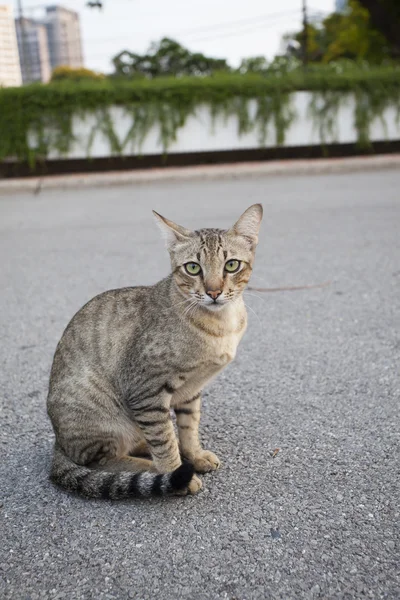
[130,355]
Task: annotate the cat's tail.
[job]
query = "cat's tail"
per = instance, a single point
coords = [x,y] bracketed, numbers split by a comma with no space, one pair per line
[116,486]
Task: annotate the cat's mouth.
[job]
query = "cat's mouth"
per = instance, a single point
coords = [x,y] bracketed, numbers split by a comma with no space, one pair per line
[214,305]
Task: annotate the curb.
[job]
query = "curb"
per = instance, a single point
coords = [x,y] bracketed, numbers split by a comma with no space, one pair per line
[208,172]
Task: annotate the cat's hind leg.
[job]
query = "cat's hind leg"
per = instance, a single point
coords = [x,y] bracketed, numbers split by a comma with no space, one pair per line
[141,448]
[124,463]
[153,417]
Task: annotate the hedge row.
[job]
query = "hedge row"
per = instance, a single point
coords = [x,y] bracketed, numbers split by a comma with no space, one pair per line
[45,111]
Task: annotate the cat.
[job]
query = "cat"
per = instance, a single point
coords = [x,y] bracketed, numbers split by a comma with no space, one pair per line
[130,355]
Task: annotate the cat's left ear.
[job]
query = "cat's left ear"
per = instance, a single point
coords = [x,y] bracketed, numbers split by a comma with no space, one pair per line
[249,223]
[171,232]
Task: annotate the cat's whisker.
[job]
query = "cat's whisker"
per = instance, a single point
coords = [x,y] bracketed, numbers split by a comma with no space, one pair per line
[254,312]
[195,308]
[180,303]
[287,297]
[191,312]
[188,308]
[186,311]
[250,308]
[255,295]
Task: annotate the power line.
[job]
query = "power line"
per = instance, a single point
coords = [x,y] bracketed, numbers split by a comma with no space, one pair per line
[244,22]
[240,32]
[219,30]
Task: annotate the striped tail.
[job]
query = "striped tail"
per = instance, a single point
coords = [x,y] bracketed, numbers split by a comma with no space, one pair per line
[116,486]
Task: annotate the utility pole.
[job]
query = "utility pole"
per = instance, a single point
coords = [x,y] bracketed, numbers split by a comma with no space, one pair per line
[304,37]
[25,50]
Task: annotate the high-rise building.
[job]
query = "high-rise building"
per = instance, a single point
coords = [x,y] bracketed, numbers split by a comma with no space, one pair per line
[341,5]
[10,71]
[64,37]
[33,50]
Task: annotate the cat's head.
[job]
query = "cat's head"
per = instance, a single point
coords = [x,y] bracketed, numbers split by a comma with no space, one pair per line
[211,267]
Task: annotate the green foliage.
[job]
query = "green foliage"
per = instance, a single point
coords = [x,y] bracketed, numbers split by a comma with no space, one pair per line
[38,119]
[385,17]
[323,111]
[63,73]
[166,58]
[254,64]
[348,35]
[351,35]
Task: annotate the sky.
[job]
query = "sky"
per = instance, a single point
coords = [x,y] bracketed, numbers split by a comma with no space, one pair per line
[231,29]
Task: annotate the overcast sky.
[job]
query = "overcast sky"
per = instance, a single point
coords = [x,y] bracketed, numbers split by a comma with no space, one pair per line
[229,29]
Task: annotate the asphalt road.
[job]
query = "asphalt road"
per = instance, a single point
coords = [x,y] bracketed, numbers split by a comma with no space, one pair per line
[317,376]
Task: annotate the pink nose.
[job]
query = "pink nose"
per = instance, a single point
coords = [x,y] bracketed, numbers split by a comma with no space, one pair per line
[214,294]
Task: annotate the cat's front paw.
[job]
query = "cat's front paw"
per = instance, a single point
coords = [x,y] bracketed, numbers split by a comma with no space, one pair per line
[205,461]
[194,487]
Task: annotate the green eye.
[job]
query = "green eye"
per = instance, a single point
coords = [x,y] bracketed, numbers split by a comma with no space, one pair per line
[192,268]
[232,266]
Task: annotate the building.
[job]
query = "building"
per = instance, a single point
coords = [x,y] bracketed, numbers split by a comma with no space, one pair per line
[10,71]
[33,50]
[340,5]
[64,37]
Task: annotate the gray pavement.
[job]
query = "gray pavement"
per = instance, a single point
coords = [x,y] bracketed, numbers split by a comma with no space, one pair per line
[202,172]
[317,376]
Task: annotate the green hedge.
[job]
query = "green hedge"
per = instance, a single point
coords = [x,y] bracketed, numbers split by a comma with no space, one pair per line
[46,111]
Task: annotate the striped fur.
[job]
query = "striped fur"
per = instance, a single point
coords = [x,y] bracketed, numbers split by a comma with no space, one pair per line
[118,485]
[131,355]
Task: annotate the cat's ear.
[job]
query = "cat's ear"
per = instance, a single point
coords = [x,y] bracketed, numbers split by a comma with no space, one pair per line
[171,232]
[249,223]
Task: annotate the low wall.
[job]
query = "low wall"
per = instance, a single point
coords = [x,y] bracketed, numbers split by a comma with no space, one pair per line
[202,133]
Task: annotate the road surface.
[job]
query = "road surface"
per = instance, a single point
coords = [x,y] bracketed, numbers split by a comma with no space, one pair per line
[317,376]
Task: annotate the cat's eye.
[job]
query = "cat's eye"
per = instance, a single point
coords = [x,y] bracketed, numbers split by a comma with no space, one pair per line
[192,268]
[232,266]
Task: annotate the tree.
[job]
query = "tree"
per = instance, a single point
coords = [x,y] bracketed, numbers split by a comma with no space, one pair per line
[255,64]
[316,43]
[385,17]
[166,57]
[348,35]
[63,73]
[351,35]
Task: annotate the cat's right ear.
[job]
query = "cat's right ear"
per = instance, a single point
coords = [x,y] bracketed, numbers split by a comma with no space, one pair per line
[171,232]
[249,223]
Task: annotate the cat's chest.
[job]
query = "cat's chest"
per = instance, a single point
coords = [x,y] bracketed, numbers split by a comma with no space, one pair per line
[188,384]
[214,347]
[218,343]
[220,351]
[210,360]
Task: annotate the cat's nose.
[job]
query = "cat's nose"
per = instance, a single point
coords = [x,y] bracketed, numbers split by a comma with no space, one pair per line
[214,294]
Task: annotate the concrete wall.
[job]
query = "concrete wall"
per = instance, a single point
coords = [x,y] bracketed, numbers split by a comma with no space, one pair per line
[199,135]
